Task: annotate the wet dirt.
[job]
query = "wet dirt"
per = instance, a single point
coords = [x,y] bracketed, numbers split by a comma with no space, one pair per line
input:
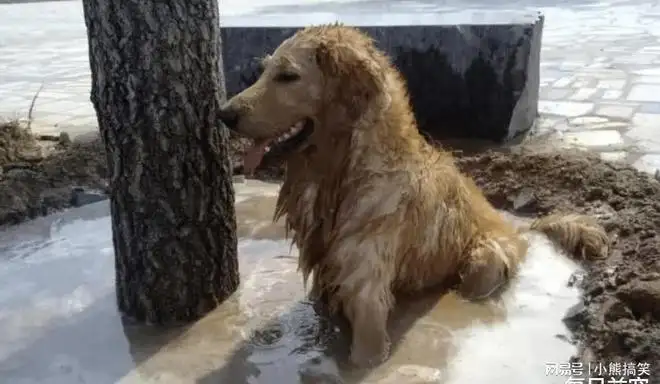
[40,175]
[617,319]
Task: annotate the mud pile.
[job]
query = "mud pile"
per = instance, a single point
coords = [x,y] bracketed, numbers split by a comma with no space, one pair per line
[42,174]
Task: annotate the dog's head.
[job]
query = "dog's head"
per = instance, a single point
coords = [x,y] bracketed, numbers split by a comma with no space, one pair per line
[316,84]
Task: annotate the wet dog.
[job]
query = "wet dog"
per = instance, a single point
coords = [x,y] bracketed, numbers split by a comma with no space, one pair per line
[374,209]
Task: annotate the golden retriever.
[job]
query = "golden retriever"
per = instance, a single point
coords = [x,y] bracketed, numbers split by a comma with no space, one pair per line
[376,210]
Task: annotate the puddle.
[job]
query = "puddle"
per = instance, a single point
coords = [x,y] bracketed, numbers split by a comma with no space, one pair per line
[59,325]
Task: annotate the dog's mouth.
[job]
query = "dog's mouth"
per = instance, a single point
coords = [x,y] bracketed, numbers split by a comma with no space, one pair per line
[277,146]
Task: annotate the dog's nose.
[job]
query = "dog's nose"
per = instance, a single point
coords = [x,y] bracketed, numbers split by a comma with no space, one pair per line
[229,117]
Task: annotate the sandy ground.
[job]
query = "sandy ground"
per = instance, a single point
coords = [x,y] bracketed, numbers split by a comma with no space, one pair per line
[619,318]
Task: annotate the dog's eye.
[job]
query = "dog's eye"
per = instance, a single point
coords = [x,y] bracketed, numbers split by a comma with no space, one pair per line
[286,77]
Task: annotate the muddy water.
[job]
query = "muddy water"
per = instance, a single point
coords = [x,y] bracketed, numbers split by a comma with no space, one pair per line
[58,322]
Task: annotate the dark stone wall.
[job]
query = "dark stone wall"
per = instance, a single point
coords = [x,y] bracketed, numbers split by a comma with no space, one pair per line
[465,81]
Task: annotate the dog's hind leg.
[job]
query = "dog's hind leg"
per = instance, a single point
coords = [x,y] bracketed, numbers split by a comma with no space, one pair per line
[490,263]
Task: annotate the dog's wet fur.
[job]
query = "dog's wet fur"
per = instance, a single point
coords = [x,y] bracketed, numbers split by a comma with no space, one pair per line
[374,208]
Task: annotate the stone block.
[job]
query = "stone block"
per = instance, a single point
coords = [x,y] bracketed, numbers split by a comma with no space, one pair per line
[83,196]
[470,74]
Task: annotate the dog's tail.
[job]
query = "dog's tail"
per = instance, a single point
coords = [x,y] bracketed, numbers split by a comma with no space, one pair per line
[579,235]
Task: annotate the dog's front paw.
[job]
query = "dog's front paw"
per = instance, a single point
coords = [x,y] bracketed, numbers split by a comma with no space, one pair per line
[367,354]
[480,280]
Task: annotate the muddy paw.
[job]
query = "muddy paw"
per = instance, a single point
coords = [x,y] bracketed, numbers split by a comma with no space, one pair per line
[581,235]
[595,243]
[480,281]
[367,356]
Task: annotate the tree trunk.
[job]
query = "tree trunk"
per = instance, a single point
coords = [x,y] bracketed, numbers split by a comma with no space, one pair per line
[156,88]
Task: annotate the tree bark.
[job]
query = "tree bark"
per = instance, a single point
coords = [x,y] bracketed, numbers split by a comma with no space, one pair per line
[157,87]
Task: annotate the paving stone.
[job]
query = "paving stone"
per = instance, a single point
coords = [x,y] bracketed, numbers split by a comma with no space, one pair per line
[617,156]
[648,163]
[605,73]
[651,49]
[653,108]
[556,93]
[550,123]
[85,120]
[645,131]
[565,108]
[583,83]
[562,125]
[14,103]
[635,59]
[652,72]
[76,131]
[584,94]
[606,138]
[611,84]
[612,94]
[46,95]
[571,66]
[618,125]
[614,110]
[583,123]
[44,127]
[57,107]
[645,92]
[647,80]
[563,82]
[587,120]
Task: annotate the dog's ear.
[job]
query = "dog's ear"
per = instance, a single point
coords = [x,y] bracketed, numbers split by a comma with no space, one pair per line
[357,77]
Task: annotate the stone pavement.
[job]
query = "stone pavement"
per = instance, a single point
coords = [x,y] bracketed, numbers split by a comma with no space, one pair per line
[600,74]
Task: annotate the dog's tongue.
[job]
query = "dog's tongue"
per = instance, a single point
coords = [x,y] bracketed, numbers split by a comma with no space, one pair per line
[254,155]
